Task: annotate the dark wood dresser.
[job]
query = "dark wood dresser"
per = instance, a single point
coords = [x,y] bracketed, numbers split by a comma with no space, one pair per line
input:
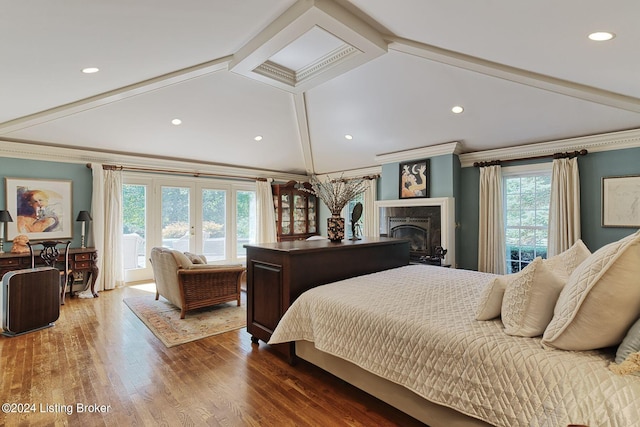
[82,260]
[277,273]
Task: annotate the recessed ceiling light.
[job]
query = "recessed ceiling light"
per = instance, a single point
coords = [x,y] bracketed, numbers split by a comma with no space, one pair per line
[176,122]
[90,70]
[349,137]
[457,109]
[601,36]
[258,138]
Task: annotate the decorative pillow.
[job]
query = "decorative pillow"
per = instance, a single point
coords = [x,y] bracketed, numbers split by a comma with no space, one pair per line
[566,262]
[630,343]
[490,301]
[181,259]
[600,301]
[196,259]
[562,265]
[529,300]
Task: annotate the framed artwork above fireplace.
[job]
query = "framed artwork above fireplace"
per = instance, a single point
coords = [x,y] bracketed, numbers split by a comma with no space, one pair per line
[414,179]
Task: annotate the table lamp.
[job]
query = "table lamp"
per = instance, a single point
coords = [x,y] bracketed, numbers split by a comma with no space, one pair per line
[83,216]
[5,217]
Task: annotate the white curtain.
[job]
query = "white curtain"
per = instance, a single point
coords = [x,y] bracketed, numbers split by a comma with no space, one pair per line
[266,224]
[564,206]
[369,209]
[491,240]
[106,207]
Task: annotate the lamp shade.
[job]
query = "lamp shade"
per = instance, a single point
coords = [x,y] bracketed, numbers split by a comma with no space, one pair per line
[83,216]
[5,216]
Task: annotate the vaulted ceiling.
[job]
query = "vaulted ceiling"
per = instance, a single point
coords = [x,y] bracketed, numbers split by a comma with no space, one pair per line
[303,74]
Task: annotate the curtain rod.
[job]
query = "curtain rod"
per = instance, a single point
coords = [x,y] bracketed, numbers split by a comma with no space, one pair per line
[566,155]
[176,172]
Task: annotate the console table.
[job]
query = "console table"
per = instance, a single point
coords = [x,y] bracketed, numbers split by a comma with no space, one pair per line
[277,273]
[82,260]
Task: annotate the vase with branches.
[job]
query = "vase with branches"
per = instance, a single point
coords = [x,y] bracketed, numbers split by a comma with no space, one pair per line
[335,194]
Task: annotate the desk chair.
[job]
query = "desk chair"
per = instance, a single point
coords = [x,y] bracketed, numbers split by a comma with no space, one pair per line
[49,254]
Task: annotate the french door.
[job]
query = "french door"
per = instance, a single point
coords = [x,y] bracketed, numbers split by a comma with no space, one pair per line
[202,216]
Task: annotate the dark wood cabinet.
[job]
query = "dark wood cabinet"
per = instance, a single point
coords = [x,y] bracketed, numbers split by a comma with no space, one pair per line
[277,273]
[296,212]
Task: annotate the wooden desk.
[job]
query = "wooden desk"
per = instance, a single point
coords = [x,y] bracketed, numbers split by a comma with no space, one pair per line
[277,273]
[82,260]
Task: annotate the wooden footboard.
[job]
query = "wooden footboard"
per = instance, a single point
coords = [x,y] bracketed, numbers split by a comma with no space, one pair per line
[395,395]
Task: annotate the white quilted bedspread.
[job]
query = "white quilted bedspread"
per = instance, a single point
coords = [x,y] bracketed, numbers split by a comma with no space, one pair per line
[415,326]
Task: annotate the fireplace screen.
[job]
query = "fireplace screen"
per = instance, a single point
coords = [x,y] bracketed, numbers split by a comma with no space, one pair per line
[416,231]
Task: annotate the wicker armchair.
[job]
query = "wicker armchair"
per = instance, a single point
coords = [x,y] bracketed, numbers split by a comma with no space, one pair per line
[189,286]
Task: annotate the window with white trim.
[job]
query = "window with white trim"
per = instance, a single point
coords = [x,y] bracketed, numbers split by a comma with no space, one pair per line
[526,196]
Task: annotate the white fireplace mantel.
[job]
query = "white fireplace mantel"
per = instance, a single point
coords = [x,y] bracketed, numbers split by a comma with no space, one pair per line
[447,219]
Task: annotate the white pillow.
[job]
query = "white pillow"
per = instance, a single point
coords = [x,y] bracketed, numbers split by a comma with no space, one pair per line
[566,262]
[600,301]
[490,301]
[529,300]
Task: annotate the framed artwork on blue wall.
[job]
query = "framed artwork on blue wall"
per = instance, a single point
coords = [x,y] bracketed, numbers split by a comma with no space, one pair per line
[621,201]
[41,208]
[414,179]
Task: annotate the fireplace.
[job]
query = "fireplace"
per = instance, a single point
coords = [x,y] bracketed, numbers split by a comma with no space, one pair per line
[426,222]
[416,230]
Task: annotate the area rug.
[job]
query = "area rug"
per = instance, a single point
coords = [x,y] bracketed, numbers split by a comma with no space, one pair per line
[163,319]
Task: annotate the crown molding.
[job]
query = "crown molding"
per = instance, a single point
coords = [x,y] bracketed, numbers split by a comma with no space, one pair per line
[593,143]
[32,151]
[353,173]
[418,153]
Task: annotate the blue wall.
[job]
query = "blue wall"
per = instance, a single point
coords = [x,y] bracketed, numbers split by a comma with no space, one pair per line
[447,179]
[593,167]
[79,174]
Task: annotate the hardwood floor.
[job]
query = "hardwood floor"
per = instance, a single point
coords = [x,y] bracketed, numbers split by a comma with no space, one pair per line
[100,365]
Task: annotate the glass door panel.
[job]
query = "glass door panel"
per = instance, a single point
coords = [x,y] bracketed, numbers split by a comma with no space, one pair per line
[286,213]
[299,214]
[134,226]
[312,214]
[214,227]
[245,221]
[175,222]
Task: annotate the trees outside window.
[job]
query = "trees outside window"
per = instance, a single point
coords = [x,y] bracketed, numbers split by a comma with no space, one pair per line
[526,201]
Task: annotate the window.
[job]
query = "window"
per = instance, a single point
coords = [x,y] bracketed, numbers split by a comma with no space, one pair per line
[214,219]
[527,191]
[134,222]
[245,220]
[206,216]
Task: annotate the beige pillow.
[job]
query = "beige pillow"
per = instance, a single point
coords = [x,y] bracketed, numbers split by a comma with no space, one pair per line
[181,259]
[196,259]
[490,301]
[565,263]
[600,301]
[529,300]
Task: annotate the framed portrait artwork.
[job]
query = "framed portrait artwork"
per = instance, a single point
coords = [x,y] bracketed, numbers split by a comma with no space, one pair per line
[621,201]
[41,208]
[414,179]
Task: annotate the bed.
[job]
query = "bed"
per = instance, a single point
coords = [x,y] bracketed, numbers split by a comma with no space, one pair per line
[410,337]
